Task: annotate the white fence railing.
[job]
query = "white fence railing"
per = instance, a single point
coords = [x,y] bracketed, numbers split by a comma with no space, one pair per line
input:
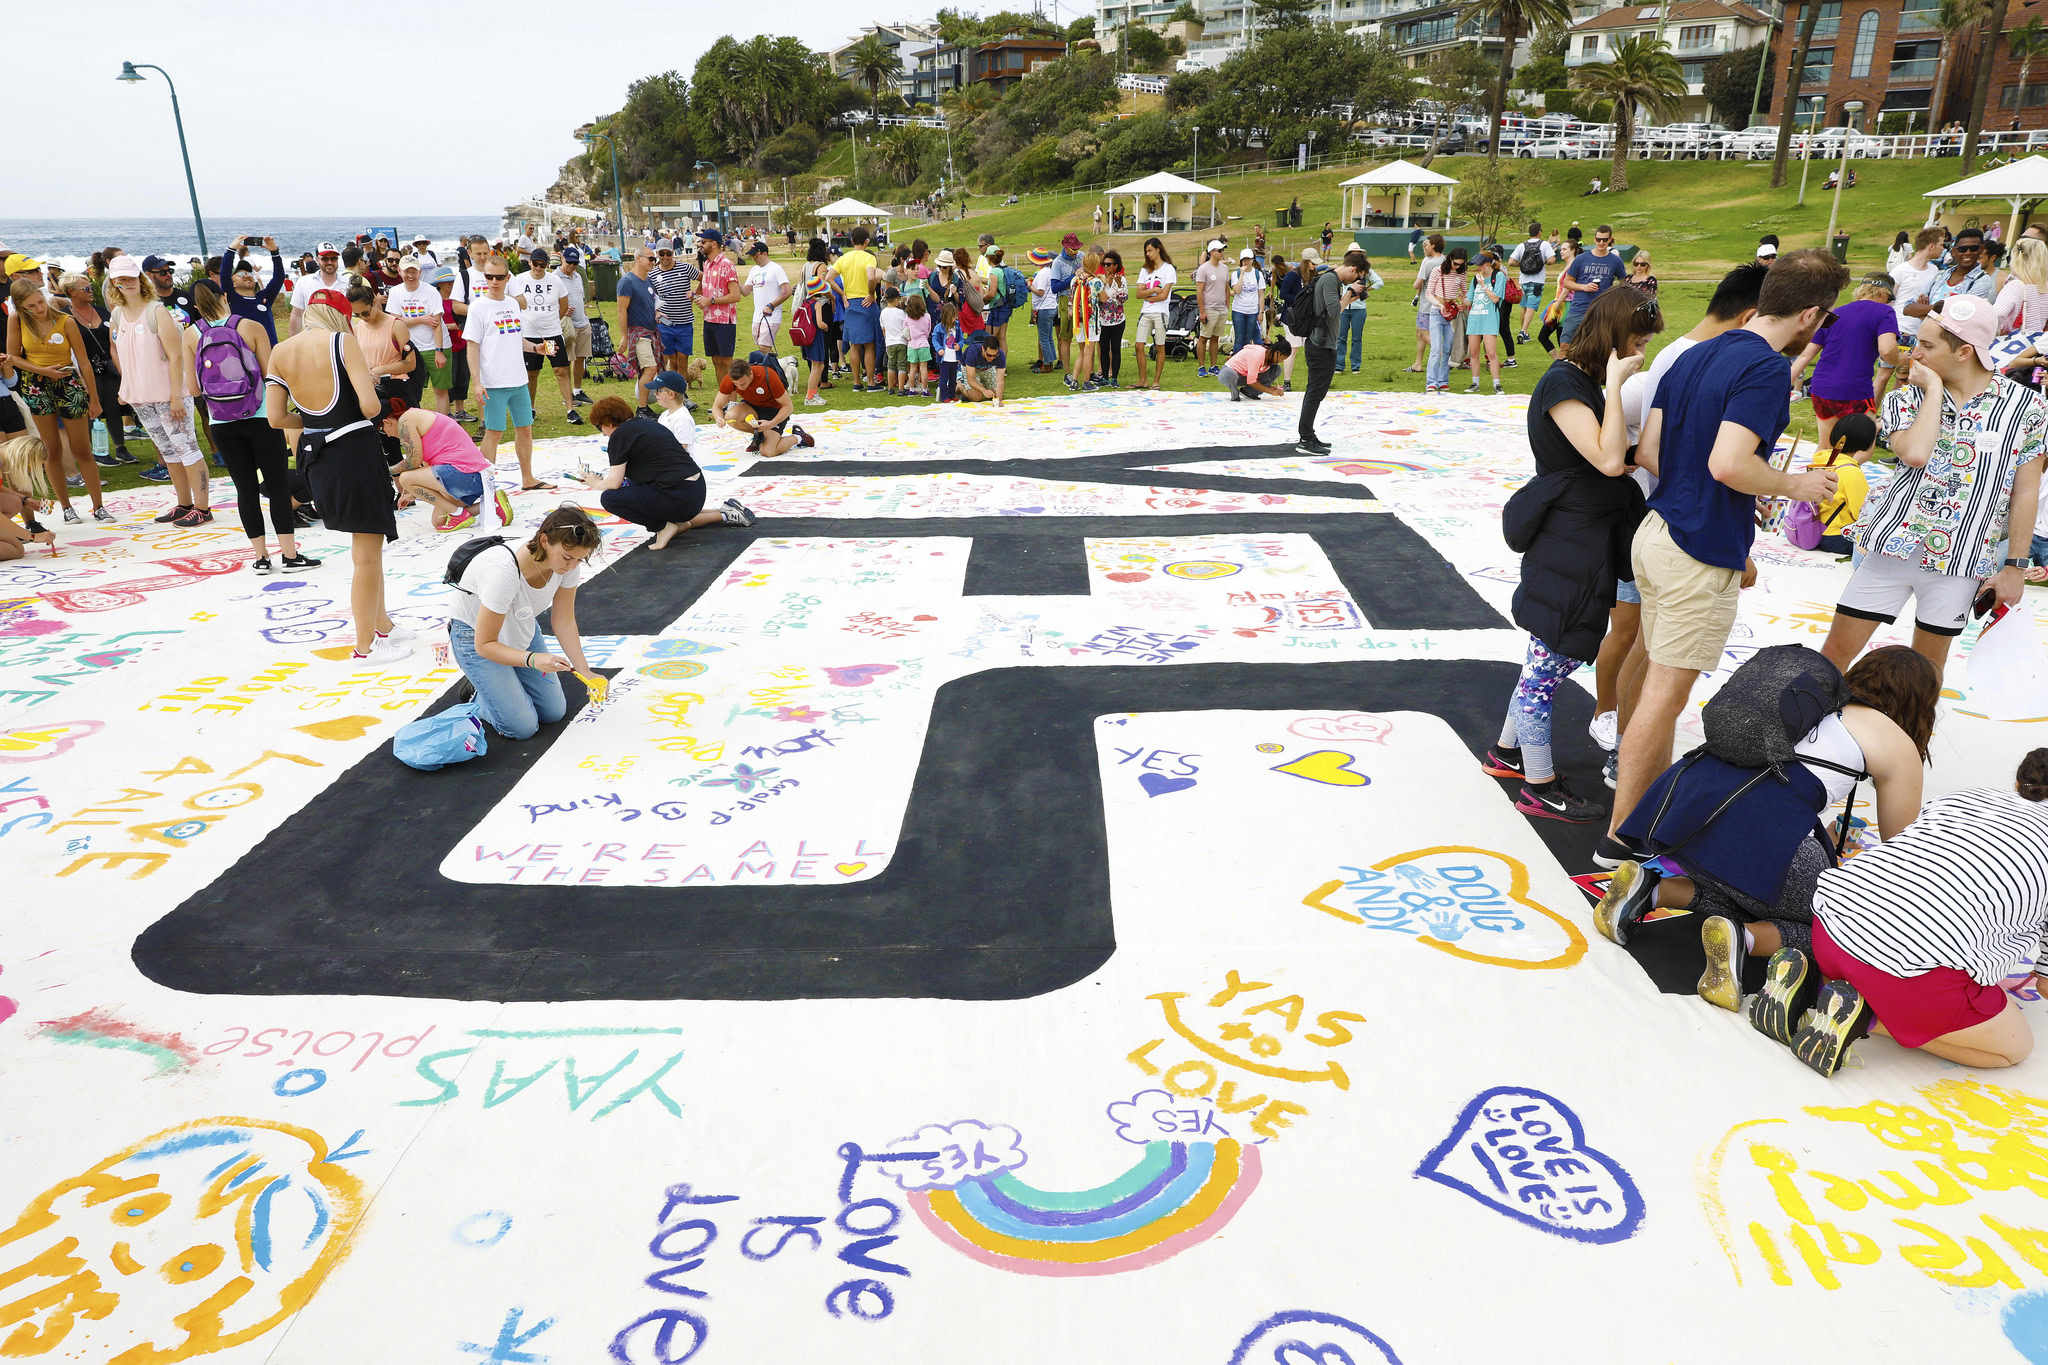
[1144,85]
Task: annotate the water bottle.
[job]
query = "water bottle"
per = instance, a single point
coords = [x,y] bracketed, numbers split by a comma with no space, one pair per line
[99,439]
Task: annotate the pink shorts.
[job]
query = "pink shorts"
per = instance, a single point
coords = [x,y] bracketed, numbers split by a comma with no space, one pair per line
[1913,1009]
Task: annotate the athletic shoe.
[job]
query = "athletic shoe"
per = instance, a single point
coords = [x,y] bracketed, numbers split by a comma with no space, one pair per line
[198,516]
[815,402]
[109,460]
[648,412]
[300,562]
[1838,1019]
[1613,852]
[1313,447]
[804,439]
[1631,893]
[176,512]
[262,567]
[578,395]
[123,457]
[302,517]
[1606,730]
[1503,761]
[734,513]
[1521,336]
[131,432]
[1508,364]
[1498,390]
[102,514]
[1721,982]
[1068,380]
[398,634]
[461,523]
[75,481]
[1786,994]
[1473,387]
[1610,772]
[754,446]
[575,418]
[463,416]
[1555,800]
[71,515]
[382,652]
[504,508]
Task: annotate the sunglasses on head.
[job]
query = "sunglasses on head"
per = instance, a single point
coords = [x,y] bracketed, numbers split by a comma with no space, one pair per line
[1827,321]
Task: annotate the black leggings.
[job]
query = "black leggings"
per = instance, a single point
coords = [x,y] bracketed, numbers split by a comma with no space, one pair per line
[652,507]
[254,452]
[458,379]
[1550,329]
[1110,353]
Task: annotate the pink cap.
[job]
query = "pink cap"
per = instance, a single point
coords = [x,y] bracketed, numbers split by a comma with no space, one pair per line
[1971,321]
[125,268]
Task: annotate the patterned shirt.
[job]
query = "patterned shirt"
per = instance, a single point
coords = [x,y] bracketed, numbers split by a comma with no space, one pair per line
[1950,515]
[672,289]
[1976,282]
[721,276]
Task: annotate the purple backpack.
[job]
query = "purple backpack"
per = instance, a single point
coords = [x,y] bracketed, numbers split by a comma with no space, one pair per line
[1803,525]
[229,378]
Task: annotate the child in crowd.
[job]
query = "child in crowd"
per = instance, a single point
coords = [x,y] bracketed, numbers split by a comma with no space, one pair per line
[1855,442]
[918,354]
[24,483]
[947,345]
[896,341]
[1255,369]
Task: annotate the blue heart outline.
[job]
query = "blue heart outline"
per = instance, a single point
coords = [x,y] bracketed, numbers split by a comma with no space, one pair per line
[1632,1217]
[1299,1315]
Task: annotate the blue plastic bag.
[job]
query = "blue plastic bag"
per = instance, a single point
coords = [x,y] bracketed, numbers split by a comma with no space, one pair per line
[452,736]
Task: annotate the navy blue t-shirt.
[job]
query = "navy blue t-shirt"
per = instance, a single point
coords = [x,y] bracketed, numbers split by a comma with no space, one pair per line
[981,352]
[639,298]
[1736,377]
[1587,268]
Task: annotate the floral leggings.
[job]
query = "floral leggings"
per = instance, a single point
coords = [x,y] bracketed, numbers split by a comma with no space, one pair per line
[176,442]
[1528,722]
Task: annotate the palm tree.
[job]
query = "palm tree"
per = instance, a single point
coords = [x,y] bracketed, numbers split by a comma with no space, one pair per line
[2027,42]
[1795,77]
[1516,17]
[1642,73]
[1994,24]
[1951,17]
[872,61]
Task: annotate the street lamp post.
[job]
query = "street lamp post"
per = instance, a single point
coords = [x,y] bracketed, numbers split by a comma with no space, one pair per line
[1852,109]
[618,211]
[1197,174]
[1806,154]
[131,73]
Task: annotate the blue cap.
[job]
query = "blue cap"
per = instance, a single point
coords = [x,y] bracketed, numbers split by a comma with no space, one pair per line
[713,233]
[157,263]
[571,256]
[670,380]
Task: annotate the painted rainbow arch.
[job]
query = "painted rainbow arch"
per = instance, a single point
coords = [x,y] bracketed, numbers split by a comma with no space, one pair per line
[1178,1194]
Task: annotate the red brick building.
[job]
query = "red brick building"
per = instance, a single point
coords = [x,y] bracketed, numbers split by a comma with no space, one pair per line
[1888,54]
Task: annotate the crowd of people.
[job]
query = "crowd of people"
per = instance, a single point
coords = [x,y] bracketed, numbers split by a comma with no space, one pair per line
[1636,535]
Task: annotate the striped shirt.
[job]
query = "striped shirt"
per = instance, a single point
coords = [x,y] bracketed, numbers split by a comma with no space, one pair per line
[672,289]
[1963,886]
[1950,515]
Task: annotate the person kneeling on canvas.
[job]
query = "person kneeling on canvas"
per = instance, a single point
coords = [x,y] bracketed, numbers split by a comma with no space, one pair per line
[652,481]
[752,398]
[983,368]
[495,629]
[442,465]
[1255,369]
[1912,939]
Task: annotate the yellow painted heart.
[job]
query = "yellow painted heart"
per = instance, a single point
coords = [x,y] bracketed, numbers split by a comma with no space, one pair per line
[340,728]
[848,869]
[1332,767]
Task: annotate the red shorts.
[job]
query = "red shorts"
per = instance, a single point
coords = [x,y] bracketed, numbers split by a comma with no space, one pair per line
[1913,1009]
[1828,409]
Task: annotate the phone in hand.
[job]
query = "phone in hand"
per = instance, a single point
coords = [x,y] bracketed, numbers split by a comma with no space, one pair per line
[1984,602]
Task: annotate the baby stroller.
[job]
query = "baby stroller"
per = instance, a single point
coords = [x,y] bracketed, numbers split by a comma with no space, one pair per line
[600,339]
[1183,323]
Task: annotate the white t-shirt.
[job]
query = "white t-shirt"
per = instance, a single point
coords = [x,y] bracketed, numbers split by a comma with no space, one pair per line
[1531,256]
[420,308]
[895,327]
[1165,275]
[1639,391]
[543,299]
[493,328]
[304,287]
[766,281]
[493,580]
[572,289]
[1250,283]
[1043,300]
[680,425]
[1912,287]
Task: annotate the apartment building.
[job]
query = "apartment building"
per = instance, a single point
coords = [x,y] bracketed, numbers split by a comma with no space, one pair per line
[1888,54]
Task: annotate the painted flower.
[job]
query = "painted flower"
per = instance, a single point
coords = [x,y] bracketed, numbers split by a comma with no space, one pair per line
[744,778]
[803,715]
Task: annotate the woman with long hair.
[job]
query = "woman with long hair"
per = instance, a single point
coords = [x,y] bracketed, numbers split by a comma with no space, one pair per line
[1883,733]
[1572,525]
[149,353]
[253,450]
[1116,293]
[386,343]
[814,292]
[99,353]
[494,631]
[49,355]
[1155,292]
[24,485]
[321,393]
[1087,291]
[1639,276]
[1446,294]
[1553,316]
[1487,306]
[1900,253]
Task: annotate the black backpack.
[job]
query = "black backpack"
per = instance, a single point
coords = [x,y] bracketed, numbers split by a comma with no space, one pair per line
[458,563]
[1301,314]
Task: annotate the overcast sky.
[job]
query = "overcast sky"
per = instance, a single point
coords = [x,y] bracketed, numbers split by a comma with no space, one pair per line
[299,109]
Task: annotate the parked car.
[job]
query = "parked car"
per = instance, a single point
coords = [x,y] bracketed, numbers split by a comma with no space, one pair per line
[1452,143]
[1554,148]
[1755,142]
[1684,138]
[1828,143]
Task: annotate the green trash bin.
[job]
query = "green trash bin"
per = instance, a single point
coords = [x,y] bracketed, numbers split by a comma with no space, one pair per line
[1279,218]
[604,278]
[1840,244]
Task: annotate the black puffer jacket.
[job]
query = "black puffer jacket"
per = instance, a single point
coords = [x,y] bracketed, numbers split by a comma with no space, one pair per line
[1573,529]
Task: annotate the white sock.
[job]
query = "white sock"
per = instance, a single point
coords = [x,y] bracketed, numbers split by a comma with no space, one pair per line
[1748,940]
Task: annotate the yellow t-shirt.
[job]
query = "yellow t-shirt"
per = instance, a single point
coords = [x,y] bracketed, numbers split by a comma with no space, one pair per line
[854,267]
[1841,512]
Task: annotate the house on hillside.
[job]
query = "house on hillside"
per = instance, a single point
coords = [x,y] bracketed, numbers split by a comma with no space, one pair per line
[1009,59]
[934,70]
[1226,27]
[1696,30]
[1888,55]
[902,39]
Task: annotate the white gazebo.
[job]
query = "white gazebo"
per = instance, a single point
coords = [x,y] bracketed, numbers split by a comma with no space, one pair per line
[1164,187]
[1398,180]
[851,208]
[2022,184]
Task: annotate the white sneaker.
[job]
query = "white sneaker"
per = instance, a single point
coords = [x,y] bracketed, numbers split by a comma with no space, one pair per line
[1605,730]
[384,651]
[399,634]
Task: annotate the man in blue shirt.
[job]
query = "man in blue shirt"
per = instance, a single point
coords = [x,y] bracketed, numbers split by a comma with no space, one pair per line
[637,311]
[1708,437]
[1590,275]
[982,368]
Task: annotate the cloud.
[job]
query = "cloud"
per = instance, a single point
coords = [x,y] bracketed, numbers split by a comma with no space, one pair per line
[962,1151]
[1155,1116]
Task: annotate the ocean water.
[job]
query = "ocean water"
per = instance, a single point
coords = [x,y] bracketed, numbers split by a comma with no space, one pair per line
[72,240]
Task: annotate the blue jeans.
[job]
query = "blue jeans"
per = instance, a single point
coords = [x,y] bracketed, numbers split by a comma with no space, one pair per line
[1351,336]
[1572,318]
[1441,332]
[1048,321]
[1244,330]
[516,701]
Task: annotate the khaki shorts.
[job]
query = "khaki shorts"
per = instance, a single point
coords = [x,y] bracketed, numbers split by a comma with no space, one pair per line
[576,342]
[1216,325]
[1689,608]
[1151,329]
